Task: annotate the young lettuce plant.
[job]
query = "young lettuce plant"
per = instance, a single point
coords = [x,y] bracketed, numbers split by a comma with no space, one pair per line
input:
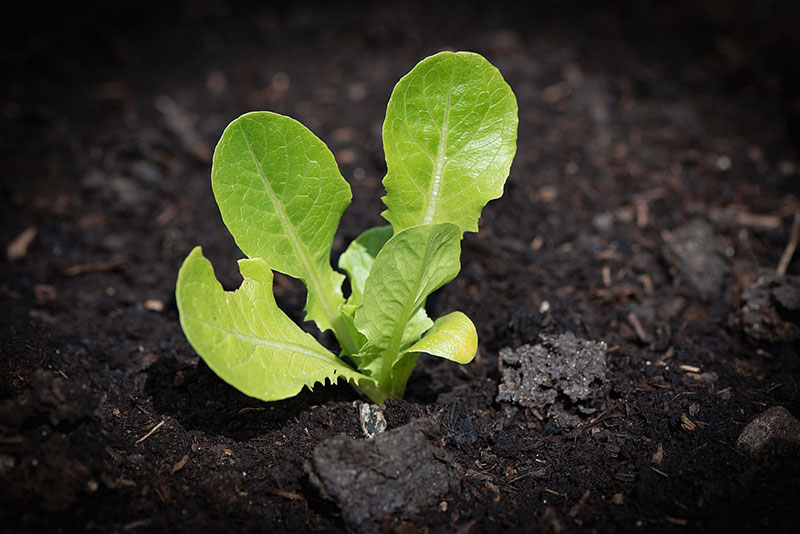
[449,138]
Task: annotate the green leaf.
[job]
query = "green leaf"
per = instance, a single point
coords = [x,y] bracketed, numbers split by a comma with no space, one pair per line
[281,196]
[357,261]
[452,337]
[358,258]
[247,340]
[450,137]
[412,265]
[401,372]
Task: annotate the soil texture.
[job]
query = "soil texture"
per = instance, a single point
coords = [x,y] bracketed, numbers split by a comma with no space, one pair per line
[635,290]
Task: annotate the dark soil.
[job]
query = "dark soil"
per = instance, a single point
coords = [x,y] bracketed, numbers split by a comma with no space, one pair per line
[656,179]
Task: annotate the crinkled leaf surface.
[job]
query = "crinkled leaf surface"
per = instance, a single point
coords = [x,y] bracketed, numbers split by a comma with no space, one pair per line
[449,137]
[246,339]
[281,196]
[452,337]
[412,264]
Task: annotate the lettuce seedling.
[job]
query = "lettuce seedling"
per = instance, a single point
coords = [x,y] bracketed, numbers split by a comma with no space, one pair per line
[449,138]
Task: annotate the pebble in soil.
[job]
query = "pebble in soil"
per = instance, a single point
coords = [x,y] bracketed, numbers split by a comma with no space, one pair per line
[697,254]
[770,311]
[773,434]
[563,375]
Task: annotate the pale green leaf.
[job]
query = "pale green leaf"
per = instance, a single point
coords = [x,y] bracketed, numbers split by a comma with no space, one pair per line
[452,337]
[281,196]
[401,372]
[247,340]
[449,137]
[357,260]
[412,264]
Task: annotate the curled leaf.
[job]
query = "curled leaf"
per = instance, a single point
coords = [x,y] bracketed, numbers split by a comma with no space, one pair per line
[452,337]
[246,339]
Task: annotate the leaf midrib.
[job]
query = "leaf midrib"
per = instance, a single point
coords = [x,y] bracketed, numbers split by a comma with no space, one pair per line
[400,327]
[299,248]
[301,252]
[275,345]
[441,159]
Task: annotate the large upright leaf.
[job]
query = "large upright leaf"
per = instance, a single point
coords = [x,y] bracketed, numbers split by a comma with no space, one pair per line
[412,265]
[449,137]
[281,196]
[247,340]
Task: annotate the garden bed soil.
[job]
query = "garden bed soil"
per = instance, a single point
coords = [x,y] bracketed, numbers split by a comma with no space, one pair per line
[655,182]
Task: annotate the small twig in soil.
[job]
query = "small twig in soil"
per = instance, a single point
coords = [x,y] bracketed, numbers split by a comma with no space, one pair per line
[773,387]
[676,521]
[18,248]
[633,319]
[536,473]
[740,216]
[97,266]
[285,494]
[181,464]
[133,525]
[791,246]
[604,414]
[554,492]
[647,283]
[642,211]
[687,424]
[152,431]
[578,505]
[660,472]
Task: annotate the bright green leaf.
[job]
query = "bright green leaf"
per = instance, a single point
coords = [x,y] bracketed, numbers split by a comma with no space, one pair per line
[412,265]
[452,337]
[281,196]
[357,261]
[449,137]
[247,340]
[358,258]
[401,372]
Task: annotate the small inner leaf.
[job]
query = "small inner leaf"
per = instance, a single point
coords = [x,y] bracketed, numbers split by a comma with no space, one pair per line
[449,137]
[247,340]
[412,265]
[452,337]
[357,260]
